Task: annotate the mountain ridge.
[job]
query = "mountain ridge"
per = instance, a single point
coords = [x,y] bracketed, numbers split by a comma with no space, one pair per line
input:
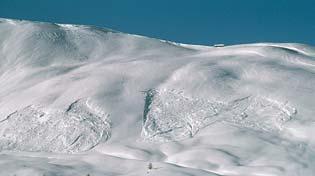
[82,99]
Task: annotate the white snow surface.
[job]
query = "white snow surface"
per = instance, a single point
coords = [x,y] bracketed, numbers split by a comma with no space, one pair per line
[79,100]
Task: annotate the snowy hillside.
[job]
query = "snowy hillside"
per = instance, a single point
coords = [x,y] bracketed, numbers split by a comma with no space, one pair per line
[79,100]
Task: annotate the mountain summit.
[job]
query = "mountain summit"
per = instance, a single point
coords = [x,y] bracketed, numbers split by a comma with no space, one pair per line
[80,99]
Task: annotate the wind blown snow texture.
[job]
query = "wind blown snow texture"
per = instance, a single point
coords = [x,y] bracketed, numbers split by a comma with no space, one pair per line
[78,100]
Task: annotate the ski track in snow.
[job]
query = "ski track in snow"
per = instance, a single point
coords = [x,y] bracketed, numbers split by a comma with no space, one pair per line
[78,100]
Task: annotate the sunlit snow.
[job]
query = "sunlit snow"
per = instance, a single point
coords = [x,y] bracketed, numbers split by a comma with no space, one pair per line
[79,100]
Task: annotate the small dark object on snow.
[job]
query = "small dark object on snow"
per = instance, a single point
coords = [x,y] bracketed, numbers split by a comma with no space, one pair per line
[150,166]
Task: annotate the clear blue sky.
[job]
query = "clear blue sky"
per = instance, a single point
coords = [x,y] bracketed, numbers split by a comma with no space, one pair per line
[188,21]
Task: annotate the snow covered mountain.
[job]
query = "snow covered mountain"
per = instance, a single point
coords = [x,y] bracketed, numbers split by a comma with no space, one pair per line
[79,100]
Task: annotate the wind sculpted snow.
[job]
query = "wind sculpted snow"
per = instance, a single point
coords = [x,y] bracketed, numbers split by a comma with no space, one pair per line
[84,100]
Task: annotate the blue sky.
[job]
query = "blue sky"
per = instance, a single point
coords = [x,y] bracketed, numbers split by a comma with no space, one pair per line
[187,21]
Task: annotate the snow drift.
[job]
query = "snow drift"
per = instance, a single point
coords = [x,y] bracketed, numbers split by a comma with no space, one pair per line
[80,99]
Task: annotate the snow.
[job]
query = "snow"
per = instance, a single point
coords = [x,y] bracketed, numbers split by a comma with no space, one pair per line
[78,100]
[173,116]
[33,129]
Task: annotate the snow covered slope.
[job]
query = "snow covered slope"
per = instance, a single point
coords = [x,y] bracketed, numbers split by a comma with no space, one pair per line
[78,100]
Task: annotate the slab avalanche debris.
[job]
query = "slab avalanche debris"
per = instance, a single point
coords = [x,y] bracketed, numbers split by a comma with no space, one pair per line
[187,109]
[33,129]
[170,115]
